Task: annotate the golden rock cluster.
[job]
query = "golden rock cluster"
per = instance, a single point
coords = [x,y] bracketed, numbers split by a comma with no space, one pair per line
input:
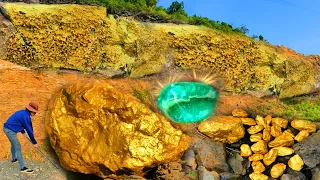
[271,138]
[96,129]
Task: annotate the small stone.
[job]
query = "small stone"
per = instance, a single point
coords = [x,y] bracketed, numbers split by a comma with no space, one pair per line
[187,102]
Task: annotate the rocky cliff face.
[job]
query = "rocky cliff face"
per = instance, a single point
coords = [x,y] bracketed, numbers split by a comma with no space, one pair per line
[86,38]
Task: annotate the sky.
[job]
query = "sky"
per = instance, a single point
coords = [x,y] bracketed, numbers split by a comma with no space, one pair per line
[291,23]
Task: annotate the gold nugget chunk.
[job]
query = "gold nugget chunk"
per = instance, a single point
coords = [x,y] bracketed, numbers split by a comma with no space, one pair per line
[248,121]
[256,157]
[281,122]
[266,134]
[284,151]
[282,141]
[256,137]
[258,167]
[258,176]
[270,157]
[259,147]
[276,130]
[245,150]
[288,132]
[260,121]
[302,135]
[277,170]
[239,113]
[304,125]
[296,163]
[267,120]
[255,129]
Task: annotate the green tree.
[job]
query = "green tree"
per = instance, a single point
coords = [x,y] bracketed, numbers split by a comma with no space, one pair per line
[151,3]
[176,7]
[261,38]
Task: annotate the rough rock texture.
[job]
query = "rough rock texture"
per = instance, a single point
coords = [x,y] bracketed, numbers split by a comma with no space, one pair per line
[223,128]
[97,129]
[309,150]
[84,38]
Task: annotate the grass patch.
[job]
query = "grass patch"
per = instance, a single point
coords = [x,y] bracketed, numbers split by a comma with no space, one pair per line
[303,110]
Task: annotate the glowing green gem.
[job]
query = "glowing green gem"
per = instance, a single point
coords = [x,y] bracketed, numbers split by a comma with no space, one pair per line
[187,102]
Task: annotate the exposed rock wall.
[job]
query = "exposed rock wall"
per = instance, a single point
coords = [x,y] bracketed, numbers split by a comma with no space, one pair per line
[86,39]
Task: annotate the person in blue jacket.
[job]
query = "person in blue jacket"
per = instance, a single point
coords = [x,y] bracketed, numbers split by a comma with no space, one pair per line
[21,121]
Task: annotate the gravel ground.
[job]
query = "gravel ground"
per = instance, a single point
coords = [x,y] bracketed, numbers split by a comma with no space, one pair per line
[42,171]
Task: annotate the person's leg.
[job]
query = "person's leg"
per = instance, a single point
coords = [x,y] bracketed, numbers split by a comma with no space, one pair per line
[15,146]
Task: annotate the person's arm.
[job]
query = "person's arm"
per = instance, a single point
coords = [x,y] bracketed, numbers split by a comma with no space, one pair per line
[26,122]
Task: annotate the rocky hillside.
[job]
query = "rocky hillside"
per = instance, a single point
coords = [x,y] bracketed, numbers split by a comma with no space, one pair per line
[88,39]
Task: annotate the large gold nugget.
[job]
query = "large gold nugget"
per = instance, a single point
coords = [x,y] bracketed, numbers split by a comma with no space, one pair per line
[266,134]
[277,170]
[296,162]
[304,125]
[258,176]
[255,129]
[259,147]
[245,150]
[260,121]
[248,121]
[255,157]
[258,167]
[256,137]
[284,151]
[281,141]
[302,135]
[270,157]
[283,123]
[276,130]
[239,113]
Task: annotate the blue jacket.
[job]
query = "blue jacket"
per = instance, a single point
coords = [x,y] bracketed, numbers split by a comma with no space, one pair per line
[19,122]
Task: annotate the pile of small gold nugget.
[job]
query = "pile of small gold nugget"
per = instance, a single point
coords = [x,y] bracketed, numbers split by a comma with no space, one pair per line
[272,138]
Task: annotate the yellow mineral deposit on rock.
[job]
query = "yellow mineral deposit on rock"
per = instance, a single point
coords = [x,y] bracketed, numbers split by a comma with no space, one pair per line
[284,151]
[289,133]
[260,121]
[268,119]
[96,129]
[245,150]
[258,167]
[276,130]
[270,157]
[304,125]
[239,113]
[256,137]
[266,134]
[259,147]
[258,176]
[281,141]
[277,170]
[255,157]
[255,129]
[248,121]
[283,123]
[223,128]
[302,135]
[296,163]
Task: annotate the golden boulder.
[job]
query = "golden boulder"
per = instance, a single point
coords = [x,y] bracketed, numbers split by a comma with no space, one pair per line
[255,157]
[248,121]
[281,141]
[277,170]
[239,113]
[258,176]
[256,137]
[296,163]
[258,167]
[223,128]
[270,157]
[245,150]
[284,151]
[259,147]
[283,123]
[97,129]
[304,125]
[302,135]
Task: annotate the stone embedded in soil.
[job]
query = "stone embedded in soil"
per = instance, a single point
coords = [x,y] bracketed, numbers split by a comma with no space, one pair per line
[187,102]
